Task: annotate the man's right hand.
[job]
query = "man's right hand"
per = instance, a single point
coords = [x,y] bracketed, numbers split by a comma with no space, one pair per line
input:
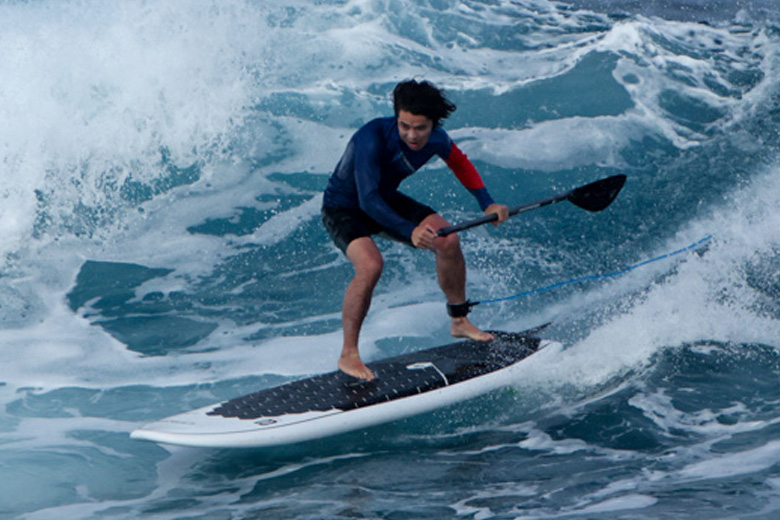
[423,236]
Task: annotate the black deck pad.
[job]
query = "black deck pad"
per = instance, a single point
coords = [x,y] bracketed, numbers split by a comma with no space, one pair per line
[396,377]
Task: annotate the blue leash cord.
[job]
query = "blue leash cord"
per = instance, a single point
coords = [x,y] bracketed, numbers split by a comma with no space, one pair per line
[600,276]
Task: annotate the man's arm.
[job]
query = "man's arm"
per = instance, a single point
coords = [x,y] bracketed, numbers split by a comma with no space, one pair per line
[468,175]
[367,173]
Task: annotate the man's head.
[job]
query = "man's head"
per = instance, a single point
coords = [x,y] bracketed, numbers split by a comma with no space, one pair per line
[422,98]
[419,107]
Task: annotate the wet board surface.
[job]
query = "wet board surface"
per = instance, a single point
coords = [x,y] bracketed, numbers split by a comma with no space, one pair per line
[334,403]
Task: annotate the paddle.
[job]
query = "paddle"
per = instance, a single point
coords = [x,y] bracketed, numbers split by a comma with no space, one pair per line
[592,197]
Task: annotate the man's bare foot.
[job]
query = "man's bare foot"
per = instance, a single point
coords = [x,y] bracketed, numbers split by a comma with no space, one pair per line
[463,328]
[352,365]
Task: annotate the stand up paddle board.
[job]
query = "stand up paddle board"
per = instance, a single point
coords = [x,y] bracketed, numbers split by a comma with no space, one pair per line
[334,403]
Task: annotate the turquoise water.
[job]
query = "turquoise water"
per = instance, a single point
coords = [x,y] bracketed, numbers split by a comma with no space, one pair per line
[162,166]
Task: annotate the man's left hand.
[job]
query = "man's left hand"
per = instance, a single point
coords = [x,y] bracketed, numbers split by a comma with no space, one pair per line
[499,209]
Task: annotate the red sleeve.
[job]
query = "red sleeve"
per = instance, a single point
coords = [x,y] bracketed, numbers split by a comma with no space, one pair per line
[464,170]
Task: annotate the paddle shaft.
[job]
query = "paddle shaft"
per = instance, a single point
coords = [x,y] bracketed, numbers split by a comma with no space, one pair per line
[443,232]
[592,197]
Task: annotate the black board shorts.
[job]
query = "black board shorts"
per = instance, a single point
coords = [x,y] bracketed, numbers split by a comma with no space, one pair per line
[347,224]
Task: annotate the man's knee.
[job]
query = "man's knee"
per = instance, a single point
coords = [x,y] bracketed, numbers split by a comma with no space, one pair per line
[366,259]
[449,245]
[370,267]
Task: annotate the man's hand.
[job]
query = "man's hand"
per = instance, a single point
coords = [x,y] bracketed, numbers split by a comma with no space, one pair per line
[423,236]
[499,209]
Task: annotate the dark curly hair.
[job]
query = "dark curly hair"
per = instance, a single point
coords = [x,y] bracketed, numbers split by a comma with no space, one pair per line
[422,98]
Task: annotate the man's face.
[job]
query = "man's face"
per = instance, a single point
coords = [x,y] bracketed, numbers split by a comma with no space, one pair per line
[415,129]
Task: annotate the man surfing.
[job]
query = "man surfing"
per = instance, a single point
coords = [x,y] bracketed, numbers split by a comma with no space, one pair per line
[362,200]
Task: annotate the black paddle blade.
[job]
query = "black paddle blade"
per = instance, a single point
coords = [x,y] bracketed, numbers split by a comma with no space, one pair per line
[597,195]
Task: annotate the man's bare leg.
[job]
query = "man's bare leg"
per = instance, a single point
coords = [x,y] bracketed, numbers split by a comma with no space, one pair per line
[451,270]
[368,263]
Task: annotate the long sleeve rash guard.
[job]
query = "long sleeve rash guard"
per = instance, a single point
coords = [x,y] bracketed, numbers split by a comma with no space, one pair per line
[377,160]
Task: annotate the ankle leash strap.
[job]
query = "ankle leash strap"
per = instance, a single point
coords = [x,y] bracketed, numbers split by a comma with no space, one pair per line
[459,310]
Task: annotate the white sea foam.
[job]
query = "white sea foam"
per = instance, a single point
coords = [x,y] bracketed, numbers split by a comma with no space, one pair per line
[705,299]
[121,83]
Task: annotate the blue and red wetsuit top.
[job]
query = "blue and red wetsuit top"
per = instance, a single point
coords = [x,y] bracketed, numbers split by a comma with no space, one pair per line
[377,160]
